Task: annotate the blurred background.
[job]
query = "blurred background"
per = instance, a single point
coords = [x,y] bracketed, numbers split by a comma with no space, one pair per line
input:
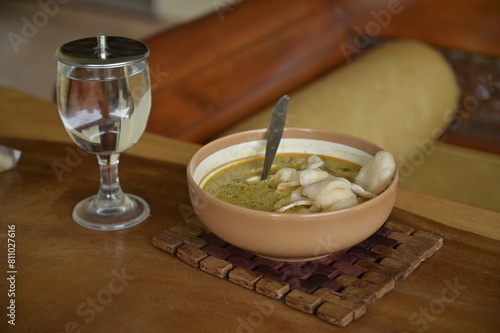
[32,30]
[220,70]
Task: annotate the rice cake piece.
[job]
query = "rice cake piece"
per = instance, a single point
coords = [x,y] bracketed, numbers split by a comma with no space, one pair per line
[190,254]
[167,242]
[272,288]
[335,314]
[302,301]
[244,277]
[215,266]
[377,173]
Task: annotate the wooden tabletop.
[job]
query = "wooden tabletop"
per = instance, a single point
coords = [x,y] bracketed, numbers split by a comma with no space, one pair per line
[70,279]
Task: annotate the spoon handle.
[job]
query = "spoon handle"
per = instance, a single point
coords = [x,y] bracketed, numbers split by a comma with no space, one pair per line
[274,134]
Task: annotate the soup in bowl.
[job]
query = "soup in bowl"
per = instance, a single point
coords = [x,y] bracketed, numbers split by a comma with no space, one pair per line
[303,232]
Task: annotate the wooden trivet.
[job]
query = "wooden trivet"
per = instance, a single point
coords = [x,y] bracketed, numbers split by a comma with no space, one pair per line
[338,288]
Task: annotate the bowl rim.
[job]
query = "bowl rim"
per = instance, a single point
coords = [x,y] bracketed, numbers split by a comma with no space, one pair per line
[288,130]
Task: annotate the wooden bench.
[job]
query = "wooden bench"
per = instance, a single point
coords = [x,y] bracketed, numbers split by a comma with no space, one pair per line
[211,73]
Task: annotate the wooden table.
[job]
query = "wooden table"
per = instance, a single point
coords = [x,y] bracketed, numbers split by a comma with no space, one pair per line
[70,279]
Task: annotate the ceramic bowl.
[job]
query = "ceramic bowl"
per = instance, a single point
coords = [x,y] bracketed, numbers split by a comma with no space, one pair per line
[279,236]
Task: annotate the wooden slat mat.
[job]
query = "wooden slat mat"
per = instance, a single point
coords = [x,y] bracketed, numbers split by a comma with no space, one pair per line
[338,288]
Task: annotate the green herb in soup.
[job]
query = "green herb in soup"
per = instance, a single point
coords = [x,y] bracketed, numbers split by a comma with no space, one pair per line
[240,184]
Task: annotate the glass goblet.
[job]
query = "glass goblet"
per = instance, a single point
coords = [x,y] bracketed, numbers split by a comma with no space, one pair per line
[104,100]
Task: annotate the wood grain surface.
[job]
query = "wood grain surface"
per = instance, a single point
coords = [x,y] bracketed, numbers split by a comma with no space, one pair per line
[71,279]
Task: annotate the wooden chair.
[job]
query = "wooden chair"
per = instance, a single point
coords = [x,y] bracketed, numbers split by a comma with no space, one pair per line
[214,72]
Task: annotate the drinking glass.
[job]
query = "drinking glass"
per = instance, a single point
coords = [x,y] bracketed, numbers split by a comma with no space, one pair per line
[104,100]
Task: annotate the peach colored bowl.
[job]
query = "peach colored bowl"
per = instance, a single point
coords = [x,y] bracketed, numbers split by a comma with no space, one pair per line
[278,236]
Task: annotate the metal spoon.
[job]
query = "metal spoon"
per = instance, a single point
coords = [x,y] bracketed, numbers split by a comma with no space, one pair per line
[274,134]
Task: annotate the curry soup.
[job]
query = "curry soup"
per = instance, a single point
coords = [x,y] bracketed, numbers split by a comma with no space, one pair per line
[240,184]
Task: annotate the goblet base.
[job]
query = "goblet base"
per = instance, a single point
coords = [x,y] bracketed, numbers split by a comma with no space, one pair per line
[133,212]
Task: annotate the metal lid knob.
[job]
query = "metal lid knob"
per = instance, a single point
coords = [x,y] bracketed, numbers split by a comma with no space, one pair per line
[102,51]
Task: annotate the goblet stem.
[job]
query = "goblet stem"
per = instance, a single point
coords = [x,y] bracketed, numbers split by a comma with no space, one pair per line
[110,199]
[110,209]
